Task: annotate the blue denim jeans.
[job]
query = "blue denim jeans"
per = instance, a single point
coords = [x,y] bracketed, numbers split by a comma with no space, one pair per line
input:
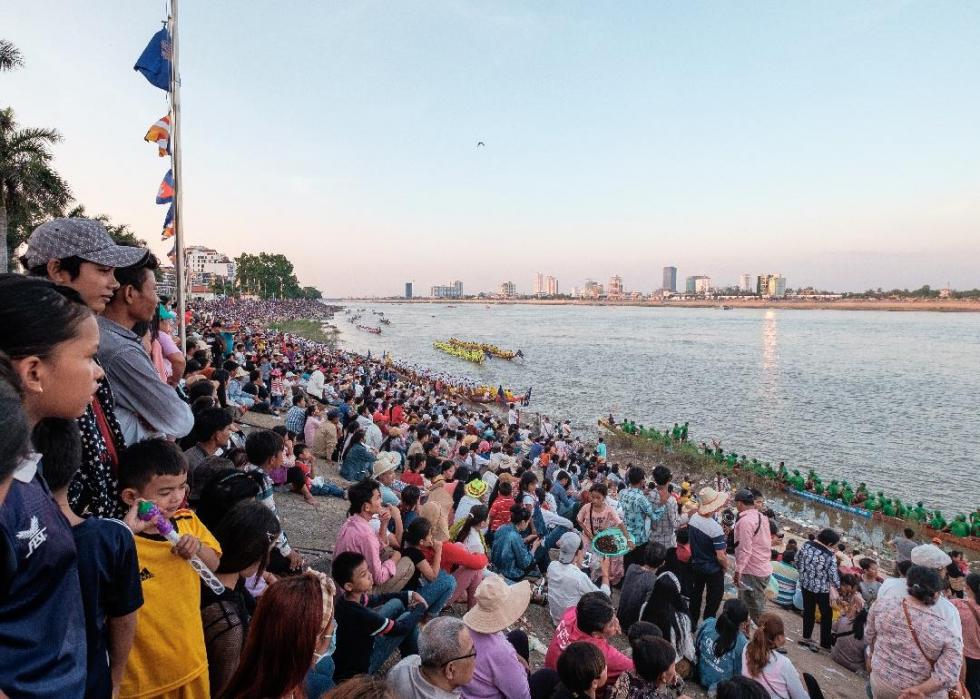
[319,679]
[438,592]
[327,488]
[384,646]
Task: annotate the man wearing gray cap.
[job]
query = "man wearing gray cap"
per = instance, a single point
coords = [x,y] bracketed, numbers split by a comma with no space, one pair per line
[80,254]
[566,580]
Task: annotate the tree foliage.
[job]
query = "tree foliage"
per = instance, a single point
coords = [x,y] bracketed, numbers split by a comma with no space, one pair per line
[119,232]
[269,277]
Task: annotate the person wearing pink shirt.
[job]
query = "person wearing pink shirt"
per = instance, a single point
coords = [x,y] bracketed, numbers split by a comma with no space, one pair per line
[753,547]
[593,620]
[358,535]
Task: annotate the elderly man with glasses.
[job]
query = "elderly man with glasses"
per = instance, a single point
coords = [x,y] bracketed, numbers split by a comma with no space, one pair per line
[444,664]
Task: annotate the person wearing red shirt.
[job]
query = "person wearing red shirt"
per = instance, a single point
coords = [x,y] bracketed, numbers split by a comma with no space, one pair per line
[592,620]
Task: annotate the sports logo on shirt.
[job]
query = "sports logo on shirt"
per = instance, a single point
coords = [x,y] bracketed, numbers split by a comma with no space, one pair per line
[145,574]
[35,536]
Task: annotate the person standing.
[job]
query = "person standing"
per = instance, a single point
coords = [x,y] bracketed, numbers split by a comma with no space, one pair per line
[708,554]
[818,575]
[753,547]
[638,515]
[80,254]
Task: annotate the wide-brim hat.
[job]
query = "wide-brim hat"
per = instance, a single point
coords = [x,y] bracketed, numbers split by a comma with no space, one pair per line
[386,461]
[710,500]
[476,489]
[240,374]
[498,605]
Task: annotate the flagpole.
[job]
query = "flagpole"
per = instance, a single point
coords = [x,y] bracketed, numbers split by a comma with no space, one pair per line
[175,143]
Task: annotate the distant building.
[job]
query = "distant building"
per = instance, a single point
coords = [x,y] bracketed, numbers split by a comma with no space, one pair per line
[408,290]
[201,260]
[508,289]
[670,279]
[771,285]
[745,283]
[615,288]
[551,286]
[591,290]
[538,284]
[452,290]
[698,285]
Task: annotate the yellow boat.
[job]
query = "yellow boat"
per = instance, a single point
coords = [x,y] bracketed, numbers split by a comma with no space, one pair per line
[469,355]
[485,347]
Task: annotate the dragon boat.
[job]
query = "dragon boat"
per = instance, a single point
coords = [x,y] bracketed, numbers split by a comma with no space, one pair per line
[470,355]
[486,348]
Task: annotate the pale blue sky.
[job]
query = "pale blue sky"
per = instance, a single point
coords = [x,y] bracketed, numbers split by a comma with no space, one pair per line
[835,142]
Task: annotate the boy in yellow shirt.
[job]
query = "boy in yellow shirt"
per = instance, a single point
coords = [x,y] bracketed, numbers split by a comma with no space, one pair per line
[169,658]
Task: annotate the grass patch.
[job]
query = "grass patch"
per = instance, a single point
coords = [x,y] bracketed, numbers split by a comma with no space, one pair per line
[309,329]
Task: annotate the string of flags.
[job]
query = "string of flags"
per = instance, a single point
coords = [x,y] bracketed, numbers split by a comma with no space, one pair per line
[155,65]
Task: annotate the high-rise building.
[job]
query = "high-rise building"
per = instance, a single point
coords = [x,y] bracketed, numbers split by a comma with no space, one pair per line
[551,285]
[592,289]
[538,284]
[452,290]
[615,288]
[745,283]
[670,279]
[698,284]
[408,290]
[508,289]
[771,285]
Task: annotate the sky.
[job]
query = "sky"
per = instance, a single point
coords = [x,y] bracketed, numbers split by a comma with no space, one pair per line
[833,142]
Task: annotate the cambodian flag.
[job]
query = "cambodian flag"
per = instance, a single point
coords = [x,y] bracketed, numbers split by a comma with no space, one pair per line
[168,224]
[165,194]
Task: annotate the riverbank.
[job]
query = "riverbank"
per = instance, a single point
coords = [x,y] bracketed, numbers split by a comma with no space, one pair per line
[910,305]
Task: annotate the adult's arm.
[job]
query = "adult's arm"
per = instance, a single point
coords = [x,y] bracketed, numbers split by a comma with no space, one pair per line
[122,630]
[510,677]
[136,385]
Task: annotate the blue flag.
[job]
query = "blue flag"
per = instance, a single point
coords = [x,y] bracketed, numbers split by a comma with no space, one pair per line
[165,194]
[154,62]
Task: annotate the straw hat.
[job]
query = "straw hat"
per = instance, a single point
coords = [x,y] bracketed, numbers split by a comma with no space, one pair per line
[476,489]
[498,605]
[386,461]
[240,374]
[710,500]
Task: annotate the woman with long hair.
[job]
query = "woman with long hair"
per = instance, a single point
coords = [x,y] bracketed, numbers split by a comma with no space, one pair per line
[720,642]
[49,342]
[357,459]
[666,608]
[773,670]
[913,650]
[246,534]
[467,535]
[291,631]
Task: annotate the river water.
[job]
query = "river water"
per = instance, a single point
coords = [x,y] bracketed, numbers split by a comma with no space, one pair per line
[886,398]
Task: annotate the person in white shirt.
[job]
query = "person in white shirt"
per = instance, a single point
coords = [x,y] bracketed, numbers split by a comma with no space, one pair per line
[567,582]
[314,386]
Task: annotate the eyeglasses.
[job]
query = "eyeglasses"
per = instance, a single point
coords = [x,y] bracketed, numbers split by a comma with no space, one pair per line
[461,657]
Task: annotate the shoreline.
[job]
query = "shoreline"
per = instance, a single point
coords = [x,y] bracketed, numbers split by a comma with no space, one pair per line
[918,305]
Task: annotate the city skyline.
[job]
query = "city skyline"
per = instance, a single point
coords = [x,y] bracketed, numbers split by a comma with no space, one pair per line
[832,142]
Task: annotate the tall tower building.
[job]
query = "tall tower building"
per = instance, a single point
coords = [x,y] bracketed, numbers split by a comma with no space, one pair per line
[408,290]
[670,279]
[538,284]
[745,283]
[615,288]
[551,285]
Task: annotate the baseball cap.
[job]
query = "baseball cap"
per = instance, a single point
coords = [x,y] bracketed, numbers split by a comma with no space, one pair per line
[744,495]
[78,237]
[568,546]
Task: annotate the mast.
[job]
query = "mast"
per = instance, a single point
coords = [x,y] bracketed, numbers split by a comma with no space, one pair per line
[175,144]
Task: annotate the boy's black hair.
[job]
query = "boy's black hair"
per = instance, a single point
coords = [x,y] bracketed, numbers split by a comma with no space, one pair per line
[209,421]
[593,611]
[640,629]
[416,531]
[866,563]
[283,432]
[662,475]
[579,665]
[361,493]
[140,463]
[298,398]
[411,496]
[654,554]
[59,442]
[343,566]
[299,449]
[262,445]
[505,488]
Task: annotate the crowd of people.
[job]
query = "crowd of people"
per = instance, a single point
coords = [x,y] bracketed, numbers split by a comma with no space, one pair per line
[142,553]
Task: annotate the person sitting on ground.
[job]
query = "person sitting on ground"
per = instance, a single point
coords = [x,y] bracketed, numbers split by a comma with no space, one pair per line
[741,687]
[444,664]
[295,419]
[512,554]
[667,608]
[870,582]
[500,506]
[913,651]
[566,580]
[107,567]
[264,451]
[594,620]
[638,583]
[720,641]
[501,670]
[290,630]
[654,676]
[465,556]
[357,459]
[383,471]
[212,430]
[357,534]
[370,627]
[327,437]
[428,579]
[774,670]
[155,470]
[244,534]
[299,480]
[582,671]
[849,643]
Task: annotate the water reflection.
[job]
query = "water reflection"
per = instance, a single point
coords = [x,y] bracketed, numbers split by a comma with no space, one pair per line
[770,368]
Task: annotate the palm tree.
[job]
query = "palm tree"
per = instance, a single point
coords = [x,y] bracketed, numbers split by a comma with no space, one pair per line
[30,188]
[10,57]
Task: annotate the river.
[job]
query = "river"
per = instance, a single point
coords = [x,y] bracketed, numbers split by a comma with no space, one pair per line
[886,398]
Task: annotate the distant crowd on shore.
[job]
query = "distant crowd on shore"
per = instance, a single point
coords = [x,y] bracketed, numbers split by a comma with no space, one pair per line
[142,553]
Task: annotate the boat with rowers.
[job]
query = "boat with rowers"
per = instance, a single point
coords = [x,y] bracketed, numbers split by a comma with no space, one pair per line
[470,355]
[487,348]
[368,329]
